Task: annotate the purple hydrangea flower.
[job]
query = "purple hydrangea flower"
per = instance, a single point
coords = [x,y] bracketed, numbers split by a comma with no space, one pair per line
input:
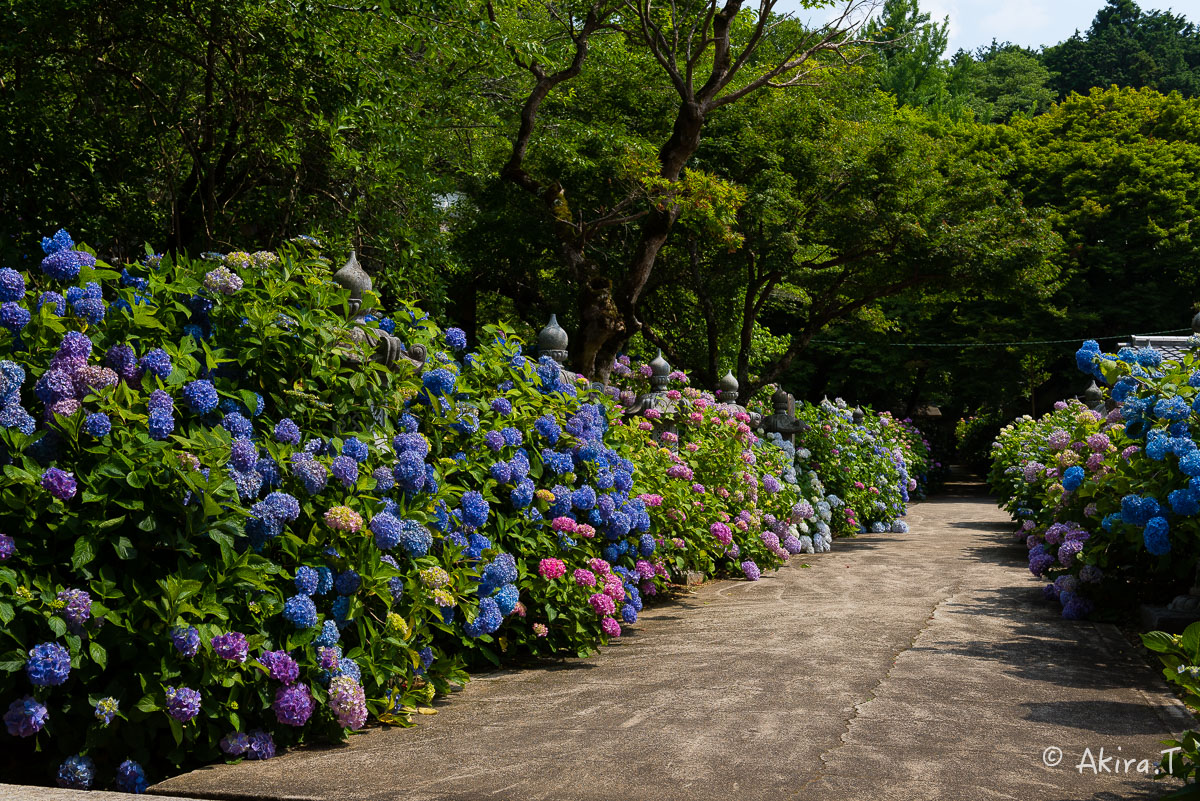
[183,703]
[262,745]
[59,483]
[293,704]
[25,717]
[280,665]
[235,743]
[8,546]
[231,646]
[750,570]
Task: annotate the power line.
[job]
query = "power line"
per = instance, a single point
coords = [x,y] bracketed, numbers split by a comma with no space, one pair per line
[987,344]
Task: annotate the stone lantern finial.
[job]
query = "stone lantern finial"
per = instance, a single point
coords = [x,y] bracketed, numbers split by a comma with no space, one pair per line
[552,341]
[660,371]
[728,388]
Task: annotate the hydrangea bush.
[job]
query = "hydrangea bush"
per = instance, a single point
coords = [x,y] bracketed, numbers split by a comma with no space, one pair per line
[228,531]
[870,468]
[1107,500]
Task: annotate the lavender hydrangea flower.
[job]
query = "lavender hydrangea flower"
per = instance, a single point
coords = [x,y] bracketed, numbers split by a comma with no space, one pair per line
[750,570]
[348,702]
[8,546]
[345,470]
[77,608]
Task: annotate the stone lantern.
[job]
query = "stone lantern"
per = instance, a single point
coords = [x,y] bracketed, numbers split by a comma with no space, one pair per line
[389,350]
[783,421]
[552,341]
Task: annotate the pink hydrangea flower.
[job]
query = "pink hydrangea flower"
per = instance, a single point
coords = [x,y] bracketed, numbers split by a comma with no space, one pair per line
[602,604]
[551,569]
[585,531]
[599,566]
[563,524]
[611,627]
[540,629]
[584,578]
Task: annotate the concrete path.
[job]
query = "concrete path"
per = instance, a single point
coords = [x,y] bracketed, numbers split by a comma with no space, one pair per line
[911,666]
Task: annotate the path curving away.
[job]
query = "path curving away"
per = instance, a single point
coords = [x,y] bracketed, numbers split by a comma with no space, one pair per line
[900,666]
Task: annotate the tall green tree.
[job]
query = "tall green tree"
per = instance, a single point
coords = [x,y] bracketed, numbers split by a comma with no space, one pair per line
[1001,81]
[910,53]
[697,59]
[1126,46]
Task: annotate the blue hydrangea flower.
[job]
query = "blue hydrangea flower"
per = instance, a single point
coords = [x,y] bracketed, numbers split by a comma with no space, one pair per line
[439,381]
[299,610]
[287,432]
[347,582]
[305,580]
[507,598]
[76,772]
[25,717]
[487,620]
[186,640]
[131,778]
[324,580]
[13,316]
[387,530]
[355,449]
[238,426]
[1184,502]
[384,480]
[548,428]
[201,395]
[97,425]
[475,509]
[158,362]
[329,635]
[1155,536]
[409,471]
[345,470]
[311,473]
[502,406]
[1072,478]
[12,285]
[456,339]
[415,538]
[49,665]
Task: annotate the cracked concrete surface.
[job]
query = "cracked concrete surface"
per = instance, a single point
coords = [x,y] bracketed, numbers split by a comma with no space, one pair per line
[900,666]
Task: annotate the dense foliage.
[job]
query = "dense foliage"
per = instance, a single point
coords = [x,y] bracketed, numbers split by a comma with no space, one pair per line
[228,530]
